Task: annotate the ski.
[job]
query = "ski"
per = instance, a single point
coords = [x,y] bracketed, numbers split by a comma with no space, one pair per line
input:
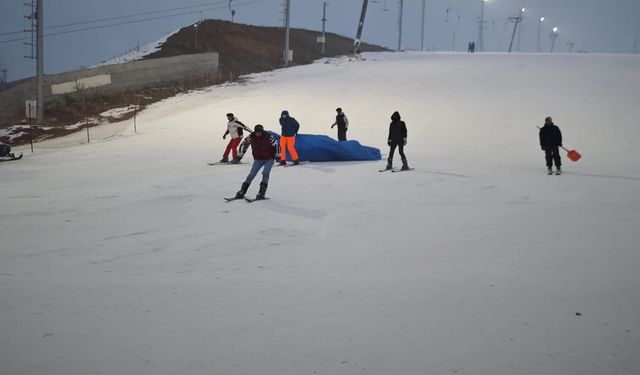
[219,163]
[385,170]
[231,199]
[257,199]
[402,170]
[12,158]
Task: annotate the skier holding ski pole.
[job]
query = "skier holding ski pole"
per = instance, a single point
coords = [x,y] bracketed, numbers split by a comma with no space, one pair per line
[265,150]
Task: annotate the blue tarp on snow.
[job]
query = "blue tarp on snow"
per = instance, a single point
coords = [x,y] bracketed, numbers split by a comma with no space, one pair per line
[311,147]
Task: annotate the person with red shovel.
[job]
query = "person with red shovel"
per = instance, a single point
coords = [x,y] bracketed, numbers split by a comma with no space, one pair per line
[550,141]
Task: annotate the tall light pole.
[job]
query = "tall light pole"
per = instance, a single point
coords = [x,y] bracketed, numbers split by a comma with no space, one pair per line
[324,20]
[400,27]
[539,31]
[516,19]
[357,41]
[553,35]
[424,9]
[481,26]
[286,33]
[40,64]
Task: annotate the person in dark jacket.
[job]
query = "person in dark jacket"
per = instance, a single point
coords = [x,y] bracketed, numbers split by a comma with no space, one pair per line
[290,129]
[265,150]
[397,138]
[343,124]
[550,140]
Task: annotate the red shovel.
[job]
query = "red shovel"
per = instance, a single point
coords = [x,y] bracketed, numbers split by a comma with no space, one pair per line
[572,154]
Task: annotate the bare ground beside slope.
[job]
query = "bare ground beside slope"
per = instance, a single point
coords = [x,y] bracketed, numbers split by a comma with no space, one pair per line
[243,49]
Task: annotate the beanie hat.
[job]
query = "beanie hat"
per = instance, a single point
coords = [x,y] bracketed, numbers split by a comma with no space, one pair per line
[258,128]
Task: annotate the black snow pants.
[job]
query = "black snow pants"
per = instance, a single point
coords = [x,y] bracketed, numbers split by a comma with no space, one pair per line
[552,154]
[342,133]
[392,150]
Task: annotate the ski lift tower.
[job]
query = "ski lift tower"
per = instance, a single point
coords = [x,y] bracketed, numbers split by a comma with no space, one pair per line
[516,20]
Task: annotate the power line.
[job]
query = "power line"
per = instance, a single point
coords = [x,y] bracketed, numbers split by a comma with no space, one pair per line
[128,22]
[99,20]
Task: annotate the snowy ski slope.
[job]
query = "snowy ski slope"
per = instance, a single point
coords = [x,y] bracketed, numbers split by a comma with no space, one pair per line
[122,257]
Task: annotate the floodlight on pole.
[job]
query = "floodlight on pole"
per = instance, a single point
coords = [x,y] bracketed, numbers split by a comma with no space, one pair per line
[553,35]
[539,33]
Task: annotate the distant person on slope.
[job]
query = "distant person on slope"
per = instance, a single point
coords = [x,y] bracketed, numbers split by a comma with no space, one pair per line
[343,124]
[265,150]
[550,140]
[397,138]
[290,129]
[234,129]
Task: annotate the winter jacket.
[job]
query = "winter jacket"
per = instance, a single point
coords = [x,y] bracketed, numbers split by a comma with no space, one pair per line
[234,128]
[550,136]
[264,147]
[289,125]
[397,129]
[342,121]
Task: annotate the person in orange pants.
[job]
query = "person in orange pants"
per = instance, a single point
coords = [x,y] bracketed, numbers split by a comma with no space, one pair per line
[290,129]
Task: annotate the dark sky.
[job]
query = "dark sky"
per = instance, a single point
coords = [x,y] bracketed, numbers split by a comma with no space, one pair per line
[593,25]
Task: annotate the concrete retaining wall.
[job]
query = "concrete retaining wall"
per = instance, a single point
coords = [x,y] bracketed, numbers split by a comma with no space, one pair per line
[112,79]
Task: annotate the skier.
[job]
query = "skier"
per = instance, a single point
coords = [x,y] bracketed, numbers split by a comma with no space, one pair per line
[290,129]
[397,138]
[234,129]
[265,150]
[343,124]
[550,140]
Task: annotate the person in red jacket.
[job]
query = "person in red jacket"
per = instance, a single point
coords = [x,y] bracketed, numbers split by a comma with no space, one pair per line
[265,150]
[234,129]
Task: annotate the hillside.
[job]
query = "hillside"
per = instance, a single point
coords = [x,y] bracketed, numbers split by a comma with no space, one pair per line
[243,49]
[249,49]
[122,257]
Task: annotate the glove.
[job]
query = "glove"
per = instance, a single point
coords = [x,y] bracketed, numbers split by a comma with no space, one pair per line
[404,142]
[388,142]
[543,148]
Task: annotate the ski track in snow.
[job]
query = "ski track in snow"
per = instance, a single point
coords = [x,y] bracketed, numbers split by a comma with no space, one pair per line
[122,257]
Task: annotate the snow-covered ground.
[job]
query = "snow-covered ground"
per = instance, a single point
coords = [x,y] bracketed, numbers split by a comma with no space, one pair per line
[121,257]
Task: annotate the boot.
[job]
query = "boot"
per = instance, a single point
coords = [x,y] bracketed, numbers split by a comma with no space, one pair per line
[405,166]
[262,191]
[549,171]
[283,162]
[224,160]
[558,171]
[389,164]
[235,161]
[296,162]
[243,190]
